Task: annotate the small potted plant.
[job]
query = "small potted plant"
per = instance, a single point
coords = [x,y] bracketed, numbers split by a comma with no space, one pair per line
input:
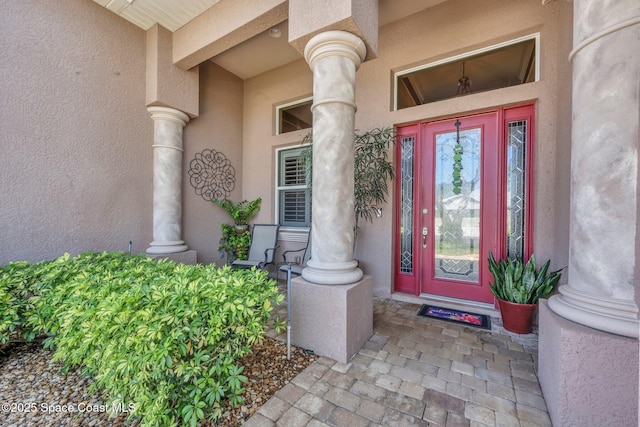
[241,212]
[236,238]
[235,245]
[518,287]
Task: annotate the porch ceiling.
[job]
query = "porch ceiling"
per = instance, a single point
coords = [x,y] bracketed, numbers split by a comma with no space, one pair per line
[254,56]
[171,14]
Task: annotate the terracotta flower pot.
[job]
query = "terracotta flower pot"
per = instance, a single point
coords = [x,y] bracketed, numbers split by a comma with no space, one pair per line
[517,317]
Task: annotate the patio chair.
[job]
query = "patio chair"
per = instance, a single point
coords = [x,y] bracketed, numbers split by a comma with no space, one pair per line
[296,268]
[264,241]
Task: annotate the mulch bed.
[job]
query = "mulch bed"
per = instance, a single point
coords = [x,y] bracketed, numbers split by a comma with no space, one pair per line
[29,380]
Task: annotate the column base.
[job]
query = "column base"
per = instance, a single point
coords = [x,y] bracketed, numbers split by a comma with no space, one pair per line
[187,257]
[341,273]
[333,321]
[611,315]
[588,377]
[172,247]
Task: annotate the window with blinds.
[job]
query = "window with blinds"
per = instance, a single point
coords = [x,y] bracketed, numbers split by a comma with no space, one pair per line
[293,197]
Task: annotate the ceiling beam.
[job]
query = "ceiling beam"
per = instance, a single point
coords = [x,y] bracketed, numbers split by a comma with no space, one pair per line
[223,26]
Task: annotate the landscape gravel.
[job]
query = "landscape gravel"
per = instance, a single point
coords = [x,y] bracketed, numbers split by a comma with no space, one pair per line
[35,392]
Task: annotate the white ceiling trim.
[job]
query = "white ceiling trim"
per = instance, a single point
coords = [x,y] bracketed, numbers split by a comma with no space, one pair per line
[170,14]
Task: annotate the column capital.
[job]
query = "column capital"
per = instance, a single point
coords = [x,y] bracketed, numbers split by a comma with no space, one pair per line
[168,113]
[335,43]
[611,315]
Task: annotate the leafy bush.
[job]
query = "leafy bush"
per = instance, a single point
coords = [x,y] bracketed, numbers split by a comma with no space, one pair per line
[241,212]
[9,310]
[372,169]
[154,333]
[19,281]
[234,244]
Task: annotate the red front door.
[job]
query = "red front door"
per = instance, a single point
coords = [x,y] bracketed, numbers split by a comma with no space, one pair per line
[462,190]
[458,209]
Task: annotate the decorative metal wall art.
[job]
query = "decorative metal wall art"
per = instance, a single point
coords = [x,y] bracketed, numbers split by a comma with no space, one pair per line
[212,175]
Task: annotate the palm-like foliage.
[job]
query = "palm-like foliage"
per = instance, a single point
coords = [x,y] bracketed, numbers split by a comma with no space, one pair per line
[372,169]
[521,283]
[241,212]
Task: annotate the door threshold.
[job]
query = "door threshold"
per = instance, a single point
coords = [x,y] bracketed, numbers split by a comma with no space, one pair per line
[447,302]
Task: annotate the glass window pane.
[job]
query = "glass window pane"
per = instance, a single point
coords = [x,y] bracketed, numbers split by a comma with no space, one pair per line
[294,117]
[457,204]
[498,67]
[295,208]
[293,170]
[294,200]
[516,188]
[406,204]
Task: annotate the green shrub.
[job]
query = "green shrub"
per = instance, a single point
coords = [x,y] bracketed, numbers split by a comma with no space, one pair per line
[19,281]
[160,335]
[9,309]
[234,244]
[241,212]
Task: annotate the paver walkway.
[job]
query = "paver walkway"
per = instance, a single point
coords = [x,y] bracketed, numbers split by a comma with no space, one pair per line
[417,371]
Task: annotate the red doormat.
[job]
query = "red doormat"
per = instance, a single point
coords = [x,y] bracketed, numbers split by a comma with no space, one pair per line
[462,317]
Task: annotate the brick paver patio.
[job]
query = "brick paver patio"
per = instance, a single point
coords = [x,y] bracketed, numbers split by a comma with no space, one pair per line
[416,371]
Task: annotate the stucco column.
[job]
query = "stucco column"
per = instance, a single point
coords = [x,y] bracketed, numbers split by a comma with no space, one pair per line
[604,169]
[334,57]
[168,124]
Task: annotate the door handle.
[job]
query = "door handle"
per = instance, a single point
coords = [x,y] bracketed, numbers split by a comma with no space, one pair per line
[425,232]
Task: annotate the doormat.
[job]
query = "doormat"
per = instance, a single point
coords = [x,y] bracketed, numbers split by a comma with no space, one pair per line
[462,317]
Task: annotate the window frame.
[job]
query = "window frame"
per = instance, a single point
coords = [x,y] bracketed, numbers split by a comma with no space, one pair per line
[534,36]
[281,107]
[279,153]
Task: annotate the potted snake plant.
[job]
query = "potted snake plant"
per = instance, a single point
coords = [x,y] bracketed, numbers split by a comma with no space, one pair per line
[518,286]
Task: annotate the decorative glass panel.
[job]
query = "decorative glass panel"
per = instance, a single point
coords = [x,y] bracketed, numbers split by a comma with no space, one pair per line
[516,187]
[406,204]
[457,205]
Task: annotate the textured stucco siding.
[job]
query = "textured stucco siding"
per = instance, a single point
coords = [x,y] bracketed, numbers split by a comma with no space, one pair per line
[77,165]
[588,377]
[434,34]
[219,128]
[76,158]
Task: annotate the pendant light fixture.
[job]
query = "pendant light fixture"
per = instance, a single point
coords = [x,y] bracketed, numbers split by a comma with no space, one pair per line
[464,84]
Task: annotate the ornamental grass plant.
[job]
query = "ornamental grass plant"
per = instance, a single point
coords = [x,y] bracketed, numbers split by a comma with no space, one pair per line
[162,336]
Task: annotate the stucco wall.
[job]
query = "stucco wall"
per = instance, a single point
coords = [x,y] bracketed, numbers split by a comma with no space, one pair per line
[219,128]
[76,162]
[587,376]
[261,95]
[436,33]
